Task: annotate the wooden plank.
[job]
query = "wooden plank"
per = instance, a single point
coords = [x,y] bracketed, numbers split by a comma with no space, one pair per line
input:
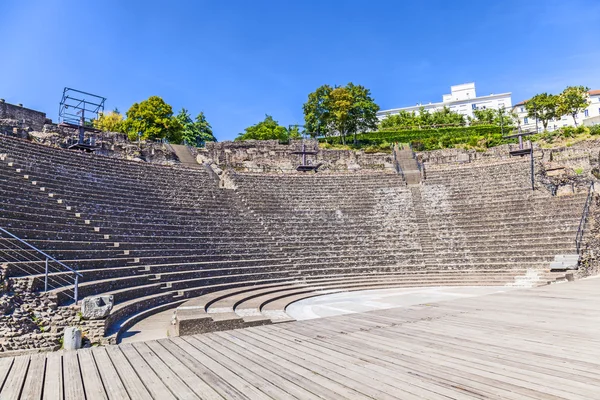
[16,378]
[114,387]
[151,381]
[177,386]
[316,383]
[238,366]
[132,382]
[410,382]
[34,384]
[222,372]
[199,387]
[508,353]
[73,382]
[212,379]
[362,383]
[411,352]
[290,371]
[293,387]
[94,389]
[5,365]
[53,381]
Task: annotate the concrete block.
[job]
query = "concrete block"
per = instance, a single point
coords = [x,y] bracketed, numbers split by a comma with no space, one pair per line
[96,307]
[72,338]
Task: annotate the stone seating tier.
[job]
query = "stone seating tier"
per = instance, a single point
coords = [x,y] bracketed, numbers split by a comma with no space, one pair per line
[156,236]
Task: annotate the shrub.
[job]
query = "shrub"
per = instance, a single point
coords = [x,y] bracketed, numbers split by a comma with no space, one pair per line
[433,139]
[595,130]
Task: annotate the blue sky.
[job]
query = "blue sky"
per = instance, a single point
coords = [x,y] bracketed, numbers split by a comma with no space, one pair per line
[240,60]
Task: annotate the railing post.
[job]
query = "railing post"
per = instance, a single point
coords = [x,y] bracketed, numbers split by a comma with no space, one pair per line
[76,290]
[46,277]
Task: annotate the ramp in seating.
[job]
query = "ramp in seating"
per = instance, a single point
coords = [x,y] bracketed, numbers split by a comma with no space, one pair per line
[185,156]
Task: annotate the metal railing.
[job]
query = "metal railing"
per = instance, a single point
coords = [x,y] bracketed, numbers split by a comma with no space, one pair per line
[584,217]
[34,260]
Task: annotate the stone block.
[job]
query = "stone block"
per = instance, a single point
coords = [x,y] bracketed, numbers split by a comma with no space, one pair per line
[72,338]
[96,307]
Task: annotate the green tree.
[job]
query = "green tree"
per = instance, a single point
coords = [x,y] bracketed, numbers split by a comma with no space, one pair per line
[402,120]
[111,121]
[268,129]
[154,119]
[572,101]
[490,116]
[341,110]
[543,107]
[424,119]
[445,116]
[195,132]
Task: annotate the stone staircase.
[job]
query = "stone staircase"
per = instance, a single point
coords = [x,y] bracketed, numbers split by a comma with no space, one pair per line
[424,231]
[185,156]
[408,163]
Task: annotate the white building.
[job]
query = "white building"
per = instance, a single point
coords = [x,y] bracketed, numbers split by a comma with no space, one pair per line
[462,99]
[589,116]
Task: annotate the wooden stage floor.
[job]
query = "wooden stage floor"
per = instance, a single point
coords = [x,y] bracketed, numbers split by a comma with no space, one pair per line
[541,343]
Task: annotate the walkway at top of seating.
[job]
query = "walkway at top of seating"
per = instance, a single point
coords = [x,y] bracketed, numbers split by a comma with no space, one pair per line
[536,343]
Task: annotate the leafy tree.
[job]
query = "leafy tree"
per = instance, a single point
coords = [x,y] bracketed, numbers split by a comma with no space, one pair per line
[445,116]
[340,110]
[195,132]
[364,110]
[424,119]
[543,107]
[268,129]
[154,119]
[403,120]
[491,116]
[572,101]
[111,121]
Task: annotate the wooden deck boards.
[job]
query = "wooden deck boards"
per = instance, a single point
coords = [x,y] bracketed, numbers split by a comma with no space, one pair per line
[539,343]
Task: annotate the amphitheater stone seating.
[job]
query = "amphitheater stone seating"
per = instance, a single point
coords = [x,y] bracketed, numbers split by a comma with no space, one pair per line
[158,237]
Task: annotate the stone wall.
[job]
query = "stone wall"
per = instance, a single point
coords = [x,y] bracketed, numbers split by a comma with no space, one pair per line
[24,116]
[32,321]
[270,156]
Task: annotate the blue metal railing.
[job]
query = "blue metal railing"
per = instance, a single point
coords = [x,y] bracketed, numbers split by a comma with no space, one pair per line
[584,217]
[47,260]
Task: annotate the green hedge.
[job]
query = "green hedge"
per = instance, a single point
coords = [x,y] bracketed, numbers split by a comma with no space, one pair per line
[434,139]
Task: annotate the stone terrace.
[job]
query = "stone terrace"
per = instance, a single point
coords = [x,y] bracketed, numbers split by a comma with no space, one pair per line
[156,237]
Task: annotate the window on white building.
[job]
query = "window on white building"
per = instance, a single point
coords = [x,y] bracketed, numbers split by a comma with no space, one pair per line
[586,113]
[474,106]
[525,120]
[522,109]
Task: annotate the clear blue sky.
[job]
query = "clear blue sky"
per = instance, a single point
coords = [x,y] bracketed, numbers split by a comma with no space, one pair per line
[238,60]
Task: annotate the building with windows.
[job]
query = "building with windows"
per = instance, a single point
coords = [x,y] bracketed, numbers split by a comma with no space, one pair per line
[589,116]
[462,99]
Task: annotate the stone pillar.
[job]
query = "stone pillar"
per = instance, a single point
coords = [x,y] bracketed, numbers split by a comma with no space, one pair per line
[72,338]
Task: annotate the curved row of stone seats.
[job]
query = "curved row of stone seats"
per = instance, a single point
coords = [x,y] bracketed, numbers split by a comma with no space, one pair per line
[266,303]
[149,236]
[470,208]
[370,207]
[170,234]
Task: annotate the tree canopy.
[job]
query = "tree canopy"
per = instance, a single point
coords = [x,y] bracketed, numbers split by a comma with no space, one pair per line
[195,132]
[543,106]
[111,121]
[572,101]
[268,129]
[490,116]
[153,118]
[423,119]
[340,110]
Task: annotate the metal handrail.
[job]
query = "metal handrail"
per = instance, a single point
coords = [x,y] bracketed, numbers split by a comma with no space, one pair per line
[48,258]
[584,217]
